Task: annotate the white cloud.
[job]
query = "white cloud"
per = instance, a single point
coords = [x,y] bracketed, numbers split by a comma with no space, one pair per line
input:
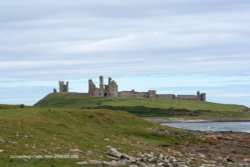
[52,40]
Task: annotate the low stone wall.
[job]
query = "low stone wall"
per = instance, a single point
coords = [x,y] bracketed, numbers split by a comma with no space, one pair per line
[187,97]
[165,96]
[160,96]
[133,94]
[125,94]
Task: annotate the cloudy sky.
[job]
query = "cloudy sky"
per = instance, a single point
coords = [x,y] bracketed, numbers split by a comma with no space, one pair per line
[173,46]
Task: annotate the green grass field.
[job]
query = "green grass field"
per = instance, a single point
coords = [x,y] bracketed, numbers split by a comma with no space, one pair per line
[149,107]
[75,124]
[86,132]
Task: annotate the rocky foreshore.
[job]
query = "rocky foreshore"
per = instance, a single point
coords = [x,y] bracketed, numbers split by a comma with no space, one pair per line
[214,149]
[161,160]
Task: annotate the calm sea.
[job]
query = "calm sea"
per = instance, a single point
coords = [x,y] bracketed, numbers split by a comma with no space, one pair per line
[213,126]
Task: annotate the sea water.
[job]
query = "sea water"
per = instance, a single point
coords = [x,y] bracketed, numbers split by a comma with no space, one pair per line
[213,126]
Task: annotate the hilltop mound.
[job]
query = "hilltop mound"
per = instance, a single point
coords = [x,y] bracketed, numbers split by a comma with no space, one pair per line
[147,107]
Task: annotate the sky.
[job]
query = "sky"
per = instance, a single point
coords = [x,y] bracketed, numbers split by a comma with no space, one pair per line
[172,46]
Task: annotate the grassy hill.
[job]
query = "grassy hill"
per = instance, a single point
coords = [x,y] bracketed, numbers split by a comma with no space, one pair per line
[148,107]
[85,132]
[80,126]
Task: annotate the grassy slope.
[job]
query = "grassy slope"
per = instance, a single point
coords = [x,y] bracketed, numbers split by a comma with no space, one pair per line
[40,131]
[149,107]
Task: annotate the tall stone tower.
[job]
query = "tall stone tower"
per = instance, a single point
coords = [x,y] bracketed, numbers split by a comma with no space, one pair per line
[203,97]
[101,92]
[63,87]
[92,88]
[111,90]
[151,94]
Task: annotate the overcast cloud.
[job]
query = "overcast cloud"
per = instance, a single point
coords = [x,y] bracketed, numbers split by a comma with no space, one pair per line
[174,46]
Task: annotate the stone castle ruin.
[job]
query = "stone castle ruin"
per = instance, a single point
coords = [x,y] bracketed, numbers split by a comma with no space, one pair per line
[111,90]
[63,87]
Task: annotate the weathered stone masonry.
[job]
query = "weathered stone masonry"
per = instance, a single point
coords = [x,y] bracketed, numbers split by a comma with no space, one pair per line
[111,90]
[63,87]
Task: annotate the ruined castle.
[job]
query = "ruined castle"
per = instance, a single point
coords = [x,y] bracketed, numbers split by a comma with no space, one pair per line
[111,90]
[63,87]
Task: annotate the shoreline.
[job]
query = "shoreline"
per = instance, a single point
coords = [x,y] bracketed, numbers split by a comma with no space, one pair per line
[188,120]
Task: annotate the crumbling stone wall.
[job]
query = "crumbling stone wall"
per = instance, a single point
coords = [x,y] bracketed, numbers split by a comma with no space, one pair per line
[93,91]
[133,93]
[151,94]
[127,93]
[166,96]
[111,90]
[187,97]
